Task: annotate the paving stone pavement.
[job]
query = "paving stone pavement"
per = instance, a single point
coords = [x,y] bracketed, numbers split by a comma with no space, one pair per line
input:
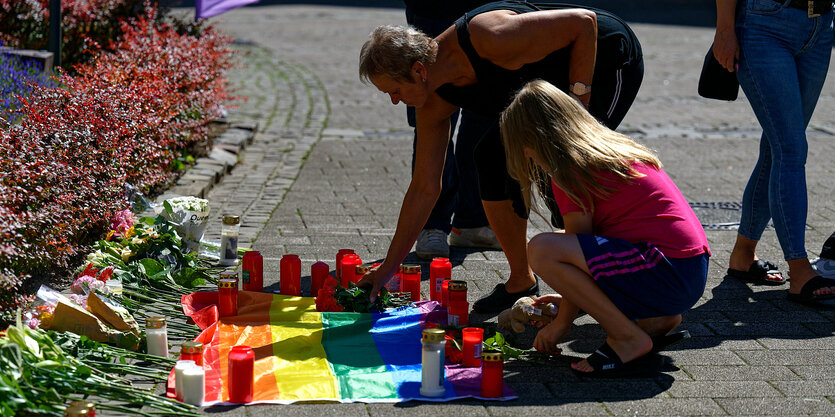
[330,163]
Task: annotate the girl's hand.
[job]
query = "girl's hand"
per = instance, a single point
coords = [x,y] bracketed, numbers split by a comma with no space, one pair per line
[542,301]
[548,337]
[554,299]
[726,48]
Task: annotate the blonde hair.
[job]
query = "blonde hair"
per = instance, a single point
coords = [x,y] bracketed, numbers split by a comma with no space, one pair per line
[573,147]
[392,50]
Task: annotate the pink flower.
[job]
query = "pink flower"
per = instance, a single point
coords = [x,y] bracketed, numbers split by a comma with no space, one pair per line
[34,323]
[122,221]
[79,299]
[83,285]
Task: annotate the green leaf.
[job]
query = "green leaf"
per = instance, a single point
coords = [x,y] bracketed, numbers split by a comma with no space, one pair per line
[11,359]
[499,339]
[83,371]
[150,267]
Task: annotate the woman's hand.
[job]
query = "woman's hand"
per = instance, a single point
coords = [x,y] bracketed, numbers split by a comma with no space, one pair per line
[725,44]
[375,279]
[548,337]
[726,49]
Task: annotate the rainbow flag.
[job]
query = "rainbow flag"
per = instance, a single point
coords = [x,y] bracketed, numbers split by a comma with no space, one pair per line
[305,355]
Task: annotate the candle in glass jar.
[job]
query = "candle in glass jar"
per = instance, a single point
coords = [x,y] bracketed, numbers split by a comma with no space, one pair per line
[290,275]
[179,367]
[192,351]
[240,370]
[318,274]
[194,385]
[252,271]
[339,255]
[458,313]
[156,335]
[227,297]
[410,281]
[471,351]
[457,291]
[432,363]
[439,270]
[229,240]
[231,275]
[492,367]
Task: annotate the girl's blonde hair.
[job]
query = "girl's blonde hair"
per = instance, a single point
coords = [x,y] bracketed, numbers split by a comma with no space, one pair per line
[572,146]
[392,50]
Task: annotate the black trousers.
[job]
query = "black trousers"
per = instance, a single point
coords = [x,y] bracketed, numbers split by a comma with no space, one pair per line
[613,93]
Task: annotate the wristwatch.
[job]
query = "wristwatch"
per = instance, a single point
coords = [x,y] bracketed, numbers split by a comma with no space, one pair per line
[579,89]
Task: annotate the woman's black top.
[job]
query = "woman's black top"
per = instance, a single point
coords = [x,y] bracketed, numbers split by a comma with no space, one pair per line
[617,47]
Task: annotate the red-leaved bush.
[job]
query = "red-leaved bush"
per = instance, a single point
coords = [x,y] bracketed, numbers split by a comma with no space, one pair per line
[123,119]
[84,23]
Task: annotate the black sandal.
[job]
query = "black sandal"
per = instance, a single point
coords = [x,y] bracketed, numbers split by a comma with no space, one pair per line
[607,364]
[758,273]
[807,296]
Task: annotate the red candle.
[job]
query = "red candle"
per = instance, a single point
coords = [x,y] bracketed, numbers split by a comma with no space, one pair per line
[240,374]
[227,297]
[439,270]
[491,374]
[318,274]
[445,293]
[339,255]
[290,275]
[457,291]
[348,269]
[473,337]
[410,281]
[252,271]
[458,313]
[192,351]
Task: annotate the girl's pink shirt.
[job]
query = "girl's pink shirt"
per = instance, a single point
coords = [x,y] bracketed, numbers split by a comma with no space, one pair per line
[648,209]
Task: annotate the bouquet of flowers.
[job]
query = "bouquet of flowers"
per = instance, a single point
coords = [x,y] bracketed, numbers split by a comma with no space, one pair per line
[190,215]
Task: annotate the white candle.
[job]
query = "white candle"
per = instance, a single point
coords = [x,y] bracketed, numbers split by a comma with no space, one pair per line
[194,385]
[178,376]
[432,371]
[157,341]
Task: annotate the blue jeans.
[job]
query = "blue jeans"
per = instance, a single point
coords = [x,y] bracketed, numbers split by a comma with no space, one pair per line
[459,186]
[784,57]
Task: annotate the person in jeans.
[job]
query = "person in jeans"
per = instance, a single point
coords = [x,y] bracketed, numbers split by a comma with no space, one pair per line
[780,51]
[478,64]
[458,217]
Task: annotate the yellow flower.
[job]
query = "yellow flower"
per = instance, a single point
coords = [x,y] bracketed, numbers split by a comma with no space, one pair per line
[137,241]
[109,235]
[129,233]
[126,254]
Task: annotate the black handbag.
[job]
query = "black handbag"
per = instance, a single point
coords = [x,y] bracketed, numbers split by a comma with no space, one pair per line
[715,81]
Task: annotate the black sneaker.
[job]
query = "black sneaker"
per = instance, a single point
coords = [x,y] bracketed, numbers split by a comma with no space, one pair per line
[499,299]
